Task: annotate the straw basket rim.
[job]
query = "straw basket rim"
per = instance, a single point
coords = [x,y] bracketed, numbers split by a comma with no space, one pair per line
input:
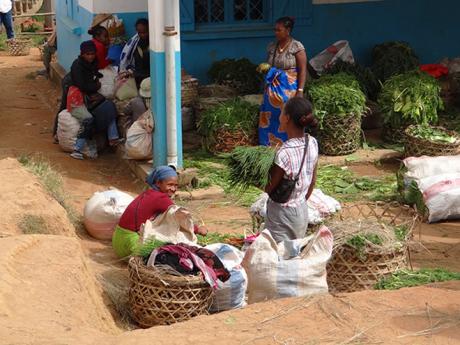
[454,134]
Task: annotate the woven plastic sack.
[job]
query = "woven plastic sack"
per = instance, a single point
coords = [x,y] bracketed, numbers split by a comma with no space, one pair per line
[138,143]
[340,50]
[68,127]
[173,226]
[421,167]
[288,269]
[231,294]
[125,89]
[108,82]
[103,211]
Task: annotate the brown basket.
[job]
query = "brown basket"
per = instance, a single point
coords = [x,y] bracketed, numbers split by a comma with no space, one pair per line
[416,147]
[226,140]
[340,135]
[189,91]
[158,298]
[18,47]
[393,135]
[347,270]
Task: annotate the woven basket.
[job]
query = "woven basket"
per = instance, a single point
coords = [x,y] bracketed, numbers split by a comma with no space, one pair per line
[416,147]
[157,298]
[340,135]
[189,91]
[393,135]
[226,140]
[347,270]
[18,47]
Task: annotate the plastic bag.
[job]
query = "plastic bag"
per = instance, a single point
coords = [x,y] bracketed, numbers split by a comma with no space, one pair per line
[125,89]
[340,50]
[68,127]
[231,294]
[288,269]
[108,82]
[138,143]
[103,211]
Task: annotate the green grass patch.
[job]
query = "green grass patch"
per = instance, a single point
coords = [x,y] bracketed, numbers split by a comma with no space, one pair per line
[406,278]
[53,184]
[214,237]
[31,224]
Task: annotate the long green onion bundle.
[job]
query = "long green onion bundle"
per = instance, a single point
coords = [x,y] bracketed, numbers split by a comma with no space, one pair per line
[250,166]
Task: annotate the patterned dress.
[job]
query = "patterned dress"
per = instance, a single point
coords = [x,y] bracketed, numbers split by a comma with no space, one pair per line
[280,86]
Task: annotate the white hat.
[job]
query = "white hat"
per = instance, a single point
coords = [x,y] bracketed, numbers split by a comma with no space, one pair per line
[144,90]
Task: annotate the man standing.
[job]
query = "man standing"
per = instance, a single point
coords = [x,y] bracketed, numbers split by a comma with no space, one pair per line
[6,17]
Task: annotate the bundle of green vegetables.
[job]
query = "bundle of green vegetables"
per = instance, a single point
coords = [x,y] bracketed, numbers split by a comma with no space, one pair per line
[393,58]
[241,74]
[410,98]
[336,95]
[364,75]
[233,115]
[433,134]
[406,278]
[250,166]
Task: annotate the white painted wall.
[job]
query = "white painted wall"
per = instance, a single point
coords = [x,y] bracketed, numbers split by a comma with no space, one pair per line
[114,6]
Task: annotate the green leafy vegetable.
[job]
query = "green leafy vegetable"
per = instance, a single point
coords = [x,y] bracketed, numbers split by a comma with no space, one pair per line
[406,278]
[432,134]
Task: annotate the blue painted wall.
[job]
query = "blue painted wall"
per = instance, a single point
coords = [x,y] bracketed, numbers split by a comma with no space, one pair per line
[431,27]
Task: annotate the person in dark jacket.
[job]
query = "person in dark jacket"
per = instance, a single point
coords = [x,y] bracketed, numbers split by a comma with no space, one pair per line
[93,111]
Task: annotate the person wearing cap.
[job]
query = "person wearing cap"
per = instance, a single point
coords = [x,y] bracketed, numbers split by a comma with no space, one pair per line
[148,205]
[139,105]
[90,108]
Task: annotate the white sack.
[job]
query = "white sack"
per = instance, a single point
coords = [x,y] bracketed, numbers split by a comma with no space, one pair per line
[138,143]
[285,269]
[108,82]
[173,226]
[421,167]
[103,211]
[231,294]
[340,50]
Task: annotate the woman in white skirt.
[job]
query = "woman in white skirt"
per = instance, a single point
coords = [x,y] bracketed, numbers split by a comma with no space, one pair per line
[295,161]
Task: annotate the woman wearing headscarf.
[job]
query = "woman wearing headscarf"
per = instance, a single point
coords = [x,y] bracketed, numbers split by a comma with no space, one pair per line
[135,57]
[285,79]
[148,205]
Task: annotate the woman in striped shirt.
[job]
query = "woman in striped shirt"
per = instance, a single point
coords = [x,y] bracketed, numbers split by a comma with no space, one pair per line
[289,220]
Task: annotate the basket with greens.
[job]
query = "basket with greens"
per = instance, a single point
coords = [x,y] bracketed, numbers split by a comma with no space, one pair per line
[424,140]
[393,58]
[240,74]
[407,99]
[229,124]
[370,243]
[339,105]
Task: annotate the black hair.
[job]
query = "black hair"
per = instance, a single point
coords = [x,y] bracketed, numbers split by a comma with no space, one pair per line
[142,21]
[300,111]
[96,31]
[287,22]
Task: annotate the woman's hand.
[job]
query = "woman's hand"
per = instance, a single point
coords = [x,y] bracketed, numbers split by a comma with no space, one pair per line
[202,230]
[299,93]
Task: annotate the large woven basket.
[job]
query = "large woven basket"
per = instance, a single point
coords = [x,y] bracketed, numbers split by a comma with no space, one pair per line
[226,140]
[416,147]
[347,270]
[18,47]
[189,91]
[158,298]
[340,135]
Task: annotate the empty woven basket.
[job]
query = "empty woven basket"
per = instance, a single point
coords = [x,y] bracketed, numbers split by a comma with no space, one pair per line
[18,47]
[349,270]
[159,298]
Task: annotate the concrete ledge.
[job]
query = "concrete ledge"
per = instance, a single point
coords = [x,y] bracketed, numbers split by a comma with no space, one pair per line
[57,73]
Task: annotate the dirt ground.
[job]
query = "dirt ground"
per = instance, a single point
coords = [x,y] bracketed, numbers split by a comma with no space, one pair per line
[51,287]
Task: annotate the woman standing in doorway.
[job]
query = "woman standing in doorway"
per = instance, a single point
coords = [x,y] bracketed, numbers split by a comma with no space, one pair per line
[284,80]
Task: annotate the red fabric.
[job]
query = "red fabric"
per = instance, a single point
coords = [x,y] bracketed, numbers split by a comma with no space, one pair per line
[148,205]
[435,70]
[101,54]
[74,98]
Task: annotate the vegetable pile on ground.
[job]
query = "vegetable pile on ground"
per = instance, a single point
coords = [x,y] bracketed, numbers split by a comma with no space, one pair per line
[406,278]
[240,74]
[410,98]
[364,75]
[393,58]
[229,124]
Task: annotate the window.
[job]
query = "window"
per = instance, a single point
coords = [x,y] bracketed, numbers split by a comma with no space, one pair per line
[230,11]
